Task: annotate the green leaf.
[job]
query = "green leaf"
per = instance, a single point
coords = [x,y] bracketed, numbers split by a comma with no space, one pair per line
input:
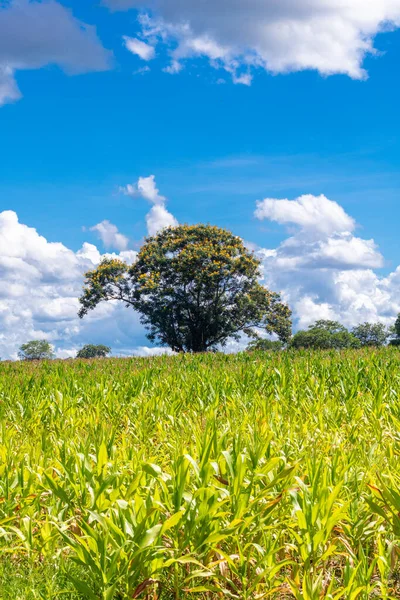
[109,593]
[152,469]
[83,588]
[150,536]
[172,521]
[102,458]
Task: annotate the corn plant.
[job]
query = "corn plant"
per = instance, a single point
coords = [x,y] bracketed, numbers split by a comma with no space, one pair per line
[250,476]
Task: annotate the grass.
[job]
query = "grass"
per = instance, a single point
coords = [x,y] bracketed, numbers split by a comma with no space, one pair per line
[271,475]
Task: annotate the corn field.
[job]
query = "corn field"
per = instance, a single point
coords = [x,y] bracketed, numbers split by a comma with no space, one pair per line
[264,475]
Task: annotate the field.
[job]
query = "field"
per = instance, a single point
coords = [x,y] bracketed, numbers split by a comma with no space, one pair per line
[249,476]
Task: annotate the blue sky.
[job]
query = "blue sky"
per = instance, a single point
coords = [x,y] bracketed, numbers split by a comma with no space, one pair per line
[233,125]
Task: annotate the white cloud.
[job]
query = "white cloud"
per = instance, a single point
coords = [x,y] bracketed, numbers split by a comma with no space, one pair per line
[89,252]
[330,36]
[151,351]
[173,68]
[309,311]
[244,78]
[110,236]
[347,251]
[41,284]
[324,237]
[141,71]
[66,352]
[322,269]
[9,91]
[141,49]
[36,34]
[129,256]
[146,188]
[158,217]
[310,213]
[321,275]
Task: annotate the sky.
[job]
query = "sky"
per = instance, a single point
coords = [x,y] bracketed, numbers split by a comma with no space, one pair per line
[275,119]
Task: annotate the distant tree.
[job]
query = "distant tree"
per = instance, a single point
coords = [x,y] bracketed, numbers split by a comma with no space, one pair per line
[331,327]
[194,287]
[325,335]
[93,351]
[397,326]
[395,341]
[371,334]
[264,344]
[36,350]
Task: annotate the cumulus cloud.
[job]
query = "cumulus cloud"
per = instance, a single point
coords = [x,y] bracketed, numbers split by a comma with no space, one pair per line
[323,272]
[146,188]
[41,284]
[310,213]
[110,236]
[330,36]
[158,217]
[36,34]
[140,48]
[322,268]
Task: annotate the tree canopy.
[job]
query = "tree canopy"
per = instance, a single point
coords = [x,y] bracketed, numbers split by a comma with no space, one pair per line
[395,341]
[326,335]
[264,344]
[36,350]
[397,326]
[371,334]
[93,351]
[195,288]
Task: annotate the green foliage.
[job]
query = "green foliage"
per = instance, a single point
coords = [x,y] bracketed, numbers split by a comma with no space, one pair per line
[195,287]
[371,334]
[325,335]
[331,327]
[93,351]
[211,476]
[264,344]
[397,326]
[395,341]
[36,350]
[23,580]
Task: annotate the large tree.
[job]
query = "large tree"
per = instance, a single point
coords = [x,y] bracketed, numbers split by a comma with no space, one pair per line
[195,287]
[36,350]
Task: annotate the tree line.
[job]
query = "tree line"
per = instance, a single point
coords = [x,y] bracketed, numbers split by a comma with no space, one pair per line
[196,287]
[332,335]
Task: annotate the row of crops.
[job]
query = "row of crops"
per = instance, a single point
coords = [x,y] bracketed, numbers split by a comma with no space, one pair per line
[249,476]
